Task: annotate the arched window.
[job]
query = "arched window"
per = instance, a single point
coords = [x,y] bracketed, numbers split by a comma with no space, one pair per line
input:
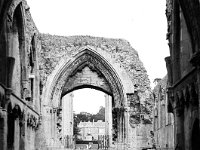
[17,52]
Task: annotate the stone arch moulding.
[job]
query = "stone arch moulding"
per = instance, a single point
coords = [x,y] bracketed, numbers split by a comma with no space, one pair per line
[16,8]
[52,90]
[10,15]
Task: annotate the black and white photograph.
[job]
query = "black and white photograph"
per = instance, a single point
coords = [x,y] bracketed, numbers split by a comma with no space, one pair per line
[99,74]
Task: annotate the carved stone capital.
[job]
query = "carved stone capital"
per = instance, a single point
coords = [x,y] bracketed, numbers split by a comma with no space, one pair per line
[170,96]
[3,112]
[25,84]
[8,93]
[32,121]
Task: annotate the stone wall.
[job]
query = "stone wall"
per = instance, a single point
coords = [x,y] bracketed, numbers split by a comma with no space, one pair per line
[183,70]
[163,122]
[56,47]
[117,51]
[19,110]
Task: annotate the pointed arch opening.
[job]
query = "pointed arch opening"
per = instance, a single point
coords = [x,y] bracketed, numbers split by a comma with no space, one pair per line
[56,83]
[16,53]
[87,69]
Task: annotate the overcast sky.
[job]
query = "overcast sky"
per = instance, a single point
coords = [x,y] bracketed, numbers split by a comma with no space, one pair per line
[141,22]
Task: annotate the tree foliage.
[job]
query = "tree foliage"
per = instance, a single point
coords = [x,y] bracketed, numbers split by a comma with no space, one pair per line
[85,117]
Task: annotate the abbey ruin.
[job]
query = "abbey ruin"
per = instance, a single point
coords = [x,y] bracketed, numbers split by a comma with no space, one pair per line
[38,71]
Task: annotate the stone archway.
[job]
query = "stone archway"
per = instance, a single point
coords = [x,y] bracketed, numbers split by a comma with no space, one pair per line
[96,72]
[114,68]
[66,69]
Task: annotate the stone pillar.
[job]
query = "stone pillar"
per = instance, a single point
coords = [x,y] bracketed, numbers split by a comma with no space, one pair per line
[121,142]
[119,145]
[3,129]
[52,126]
[123,127]
[118,126]
[46,121]
[119,129]
[179,129]
[67,119]
[22,133]
[126,127]
[108,117]
[54,114]
[16,134]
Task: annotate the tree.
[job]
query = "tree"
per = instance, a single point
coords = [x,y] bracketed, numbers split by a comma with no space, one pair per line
[101,111]
[76,129]
[100,115]
[84,117]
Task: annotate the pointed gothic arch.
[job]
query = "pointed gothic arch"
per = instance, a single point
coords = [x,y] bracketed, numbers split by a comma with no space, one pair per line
[58,81]
[16,46]
[53,89]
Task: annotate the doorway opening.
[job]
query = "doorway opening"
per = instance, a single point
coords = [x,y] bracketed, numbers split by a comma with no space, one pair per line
[86,119]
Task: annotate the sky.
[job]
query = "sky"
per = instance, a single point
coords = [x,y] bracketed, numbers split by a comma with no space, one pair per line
[141,22]
[88,100]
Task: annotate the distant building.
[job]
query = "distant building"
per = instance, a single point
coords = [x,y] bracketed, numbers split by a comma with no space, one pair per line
[91,130]
[163,122]
[85,113]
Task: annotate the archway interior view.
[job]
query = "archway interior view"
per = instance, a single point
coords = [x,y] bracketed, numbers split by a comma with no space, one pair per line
[86,116]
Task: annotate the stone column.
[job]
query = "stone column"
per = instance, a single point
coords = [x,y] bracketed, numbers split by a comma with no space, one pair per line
[179,128]
[54,113]
[119,129]
[67,118]
[123,127]
[22,132]
[16,134]
[120,126]
[47,125]
[126,126]
[3,129]
[108,117]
